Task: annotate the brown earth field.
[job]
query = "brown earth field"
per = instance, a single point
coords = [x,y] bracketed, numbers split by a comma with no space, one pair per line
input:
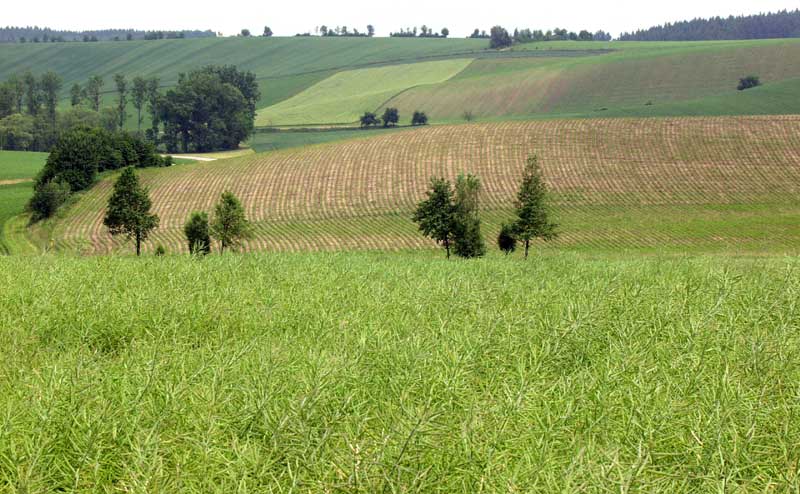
[671,184]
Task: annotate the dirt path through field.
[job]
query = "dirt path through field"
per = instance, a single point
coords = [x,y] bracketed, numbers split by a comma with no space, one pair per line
[15,181]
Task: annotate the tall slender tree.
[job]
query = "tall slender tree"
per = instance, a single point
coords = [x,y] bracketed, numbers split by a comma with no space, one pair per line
[533,219]
[139,94]
[32,96]
[129,210]
[51,86]
[229,226]
[468,239]
[94,86]
[154,107]
[17,85]
[122,94]
[75,94]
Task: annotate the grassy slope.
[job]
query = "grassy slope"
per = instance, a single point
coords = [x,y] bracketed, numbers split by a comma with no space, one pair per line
[275,141]
[399,373]
[272,59]
[345,96]
[16,166]
[622,83]
[719,184]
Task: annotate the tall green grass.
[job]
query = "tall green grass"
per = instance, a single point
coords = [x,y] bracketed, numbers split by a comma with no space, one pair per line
[399,373]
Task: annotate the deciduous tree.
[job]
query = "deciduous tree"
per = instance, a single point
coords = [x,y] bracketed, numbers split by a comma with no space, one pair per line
[468,239]
[197,233]
[122,94]
[391,117]
[139,94]
[506,240]
[93,88]
[229,225]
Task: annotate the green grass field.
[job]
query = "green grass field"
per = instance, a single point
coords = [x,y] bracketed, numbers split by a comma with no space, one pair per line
[17,170]
[308,81]
[652,80]
[275,141]
[344,97]
[17,165]
[399,373]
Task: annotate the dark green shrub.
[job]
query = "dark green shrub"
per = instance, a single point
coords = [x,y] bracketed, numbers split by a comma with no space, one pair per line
[748,82]
[197,233]
[506,240]
[419,118]
[47,198]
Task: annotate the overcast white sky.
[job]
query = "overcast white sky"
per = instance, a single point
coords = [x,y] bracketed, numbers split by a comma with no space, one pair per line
[289,17]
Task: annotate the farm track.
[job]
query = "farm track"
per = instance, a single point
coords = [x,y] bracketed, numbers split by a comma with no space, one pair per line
[359,194]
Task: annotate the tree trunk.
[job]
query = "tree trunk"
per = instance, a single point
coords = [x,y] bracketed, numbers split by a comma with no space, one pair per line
[138,245]
[447,247]
[527,246]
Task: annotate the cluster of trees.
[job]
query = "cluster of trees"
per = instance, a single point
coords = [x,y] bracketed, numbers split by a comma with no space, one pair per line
[78,157]
[345,32]
[30,119]
[450,215]
[422,32]
[500,37]
[28,111]
[36,34]
[783,24]
[535,36]
[211,108]
[390,118]
[129,214]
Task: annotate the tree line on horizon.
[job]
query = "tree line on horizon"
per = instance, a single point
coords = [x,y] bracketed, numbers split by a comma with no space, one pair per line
[782,24]
[36,34]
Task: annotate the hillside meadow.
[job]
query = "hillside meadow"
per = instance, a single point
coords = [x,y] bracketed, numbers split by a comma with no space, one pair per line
[17,170]
[725,184]
[398,373]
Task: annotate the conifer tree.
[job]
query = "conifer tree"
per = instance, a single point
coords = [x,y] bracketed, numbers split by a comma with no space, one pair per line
[197,233]
[533,219]
[436,214]
[129,210]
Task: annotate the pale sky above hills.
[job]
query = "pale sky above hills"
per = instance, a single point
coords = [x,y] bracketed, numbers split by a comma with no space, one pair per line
[290,17]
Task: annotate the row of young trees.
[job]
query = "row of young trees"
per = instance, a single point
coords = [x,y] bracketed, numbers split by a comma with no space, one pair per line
[129,214]
[211,108]
[451,214]
[390,118]
[36,34]
[422,32]
[500,38]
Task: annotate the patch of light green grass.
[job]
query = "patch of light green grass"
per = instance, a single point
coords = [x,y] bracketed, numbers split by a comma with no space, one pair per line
[343,97]
[20,165]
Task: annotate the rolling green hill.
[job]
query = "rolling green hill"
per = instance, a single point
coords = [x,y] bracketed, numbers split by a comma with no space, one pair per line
[307,81]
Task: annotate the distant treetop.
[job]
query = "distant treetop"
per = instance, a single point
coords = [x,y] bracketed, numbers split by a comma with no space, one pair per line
[36,34]
[783,24]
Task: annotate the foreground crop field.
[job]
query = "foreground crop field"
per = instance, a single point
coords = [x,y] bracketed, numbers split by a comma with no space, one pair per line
[728,184]
[399,373]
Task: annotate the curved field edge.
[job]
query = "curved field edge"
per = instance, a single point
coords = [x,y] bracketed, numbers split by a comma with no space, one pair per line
[344,96]
[621,83]
[608,177]
[399,373]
